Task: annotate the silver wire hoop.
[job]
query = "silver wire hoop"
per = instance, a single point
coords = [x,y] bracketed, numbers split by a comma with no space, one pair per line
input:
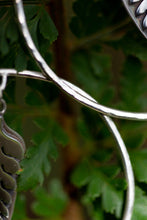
[49,74]
[87,100]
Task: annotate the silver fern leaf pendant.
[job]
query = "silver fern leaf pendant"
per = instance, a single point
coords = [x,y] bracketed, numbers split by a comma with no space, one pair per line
[138,11]
[12,149]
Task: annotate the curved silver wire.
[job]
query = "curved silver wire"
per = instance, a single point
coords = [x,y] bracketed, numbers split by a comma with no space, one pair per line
[3,84]
[112,127]
[82,97]
[47,72]
[128,211]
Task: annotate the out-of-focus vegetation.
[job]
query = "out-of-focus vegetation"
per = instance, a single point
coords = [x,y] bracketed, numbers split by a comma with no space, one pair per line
[72,169]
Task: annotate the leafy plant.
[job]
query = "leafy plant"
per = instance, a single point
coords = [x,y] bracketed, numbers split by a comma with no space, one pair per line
[71,167]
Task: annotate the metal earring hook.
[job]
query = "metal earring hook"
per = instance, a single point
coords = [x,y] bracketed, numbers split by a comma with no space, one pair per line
[3,84]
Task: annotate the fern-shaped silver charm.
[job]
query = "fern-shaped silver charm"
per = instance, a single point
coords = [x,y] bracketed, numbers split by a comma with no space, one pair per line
[138,11]
[11,152]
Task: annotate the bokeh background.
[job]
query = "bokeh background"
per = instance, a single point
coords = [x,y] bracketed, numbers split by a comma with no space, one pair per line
[72,170]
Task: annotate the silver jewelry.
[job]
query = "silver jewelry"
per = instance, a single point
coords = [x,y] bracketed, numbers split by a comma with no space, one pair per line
[12,149]
[138,11]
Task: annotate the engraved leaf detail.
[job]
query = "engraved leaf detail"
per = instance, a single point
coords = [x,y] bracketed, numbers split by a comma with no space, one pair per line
[141,10]
[11,152]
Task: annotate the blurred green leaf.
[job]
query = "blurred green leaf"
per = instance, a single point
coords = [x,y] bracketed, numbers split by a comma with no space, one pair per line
[12,32]
[98,184]
[59,134]
[21,60]
[133,96]
[50,204]
[34,98]
[139,161]
[33,27]
[95,188]
[132,43]
[19,211]
[82,174]
[110,171]
[112,200]
[98,214]
[53,152]
[56,131]
[90,66]
[34,167]
[47,27]
[91,17]
[140,211]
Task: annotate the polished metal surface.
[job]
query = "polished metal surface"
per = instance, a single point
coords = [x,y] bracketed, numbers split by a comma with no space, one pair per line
[138,12]
[141,8]
[11,152]
[3,83]
[12,149]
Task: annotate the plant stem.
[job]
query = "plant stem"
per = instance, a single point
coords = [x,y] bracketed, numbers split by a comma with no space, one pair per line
[67,114]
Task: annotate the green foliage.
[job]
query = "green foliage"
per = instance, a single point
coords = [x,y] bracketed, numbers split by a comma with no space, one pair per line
[90,16]
[140,211]
[50,205]
[98,184]
[91,66]
[36,163]
[139,161]
[108,60]
[43,34]
[132,43]
[47,28]
[20,207]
